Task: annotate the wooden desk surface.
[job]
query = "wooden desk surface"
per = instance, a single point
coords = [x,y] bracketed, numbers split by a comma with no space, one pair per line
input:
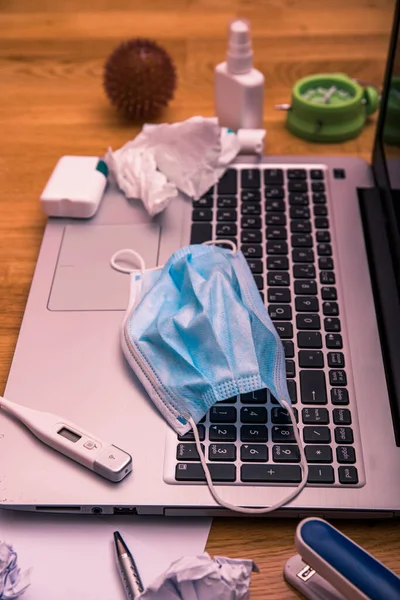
[52,103]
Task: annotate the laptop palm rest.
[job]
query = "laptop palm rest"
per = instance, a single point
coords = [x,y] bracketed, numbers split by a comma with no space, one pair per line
[84,278]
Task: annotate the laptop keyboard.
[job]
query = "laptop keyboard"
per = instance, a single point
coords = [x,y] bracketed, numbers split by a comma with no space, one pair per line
[279,218]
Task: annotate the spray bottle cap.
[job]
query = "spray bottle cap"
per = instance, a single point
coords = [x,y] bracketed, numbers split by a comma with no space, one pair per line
[240,53]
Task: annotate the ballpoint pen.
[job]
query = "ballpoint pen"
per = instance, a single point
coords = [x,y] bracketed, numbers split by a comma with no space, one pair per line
[127,567]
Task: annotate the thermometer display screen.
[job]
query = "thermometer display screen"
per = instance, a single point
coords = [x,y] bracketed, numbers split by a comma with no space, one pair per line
[70,435]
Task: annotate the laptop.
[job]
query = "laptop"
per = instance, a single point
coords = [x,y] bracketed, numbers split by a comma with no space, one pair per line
[322,238]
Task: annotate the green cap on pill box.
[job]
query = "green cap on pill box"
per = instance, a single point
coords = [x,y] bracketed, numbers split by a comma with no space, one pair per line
[102,167]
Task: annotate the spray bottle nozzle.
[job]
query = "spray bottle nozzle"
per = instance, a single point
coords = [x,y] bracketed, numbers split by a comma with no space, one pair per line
[240,52]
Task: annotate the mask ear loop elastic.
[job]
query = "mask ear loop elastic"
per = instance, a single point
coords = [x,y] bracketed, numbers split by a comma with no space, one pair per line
[250,511]
[215,242]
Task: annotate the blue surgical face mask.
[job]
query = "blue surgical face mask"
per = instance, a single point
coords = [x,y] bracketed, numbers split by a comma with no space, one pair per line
[197,332]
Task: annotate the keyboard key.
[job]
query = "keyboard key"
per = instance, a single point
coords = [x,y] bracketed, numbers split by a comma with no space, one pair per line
[299,212]
[329,293]
[276,233]
[276,278]
[296,174]
[270,473]
[277,263]
[255,265]
[301,240]
[339,396]
[254,453]
[332,324]
[280,416]
[290,368]
[285,330]
[291,384]
[336,359]
[250,237]
[318,454]
[300,226]
[253,433]
[274,193]
[202,214]
[222,433]
[308,321]
[274,218]
[189,436]
[227,202]
[253,414]
[348,475]
[323,236]
[275,205]
[305,287]
[251,250]
[313,359]
[303,255]
[327,277]
[285,453]
[297,186]
[278,295]
[204,202]
[273,177]
[223,414]
[228,182]
[226,214]
[315,416]
[317,435]
[313,387]
[195,472]
[282,434]
[324,250]
[288,347]
[342,416]
[275,247]
[231,400]
[330,308]
[307,304]
[280,312]
[325,263]
[250,178]
[251,222]
[201,232]
[344,435]
[250,196]
[187,452]
[298,199]
[321,223]
[318,186]
[337,377]
[250,209]
[257,397]
[320,210]
[345,454]
[222,452]
[304,271]
[259,281]
[319,198]
[226,229]
[320,474]
[309,339]
[316,174]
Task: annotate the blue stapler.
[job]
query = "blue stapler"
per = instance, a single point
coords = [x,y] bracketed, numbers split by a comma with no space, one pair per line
[330,566]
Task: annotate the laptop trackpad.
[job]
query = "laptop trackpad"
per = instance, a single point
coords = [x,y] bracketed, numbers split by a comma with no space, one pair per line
[84,278]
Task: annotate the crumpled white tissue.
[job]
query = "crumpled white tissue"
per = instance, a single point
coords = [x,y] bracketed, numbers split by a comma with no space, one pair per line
[203,578]
[190,156]
[13,583]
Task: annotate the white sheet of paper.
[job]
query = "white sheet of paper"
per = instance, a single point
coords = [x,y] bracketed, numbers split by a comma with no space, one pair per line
[72,556]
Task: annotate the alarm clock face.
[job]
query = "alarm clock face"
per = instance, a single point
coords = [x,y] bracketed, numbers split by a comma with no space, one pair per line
[332,94]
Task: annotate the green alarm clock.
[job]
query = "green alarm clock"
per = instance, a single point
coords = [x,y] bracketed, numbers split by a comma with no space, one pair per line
[391,131]
[329,107]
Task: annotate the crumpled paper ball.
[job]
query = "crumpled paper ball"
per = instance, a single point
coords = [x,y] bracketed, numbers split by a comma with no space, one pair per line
[13,583]
[189,157]
[203,578]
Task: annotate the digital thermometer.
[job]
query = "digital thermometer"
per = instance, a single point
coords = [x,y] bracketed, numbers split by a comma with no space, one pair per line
[99,456]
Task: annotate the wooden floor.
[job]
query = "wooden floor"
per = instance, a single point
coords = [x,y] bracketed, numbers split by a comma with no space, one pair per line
[52,103]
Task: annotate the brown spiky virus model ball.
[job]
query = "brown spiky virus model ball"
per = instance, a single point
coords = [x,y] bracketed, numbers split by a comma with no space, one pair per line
[139,78]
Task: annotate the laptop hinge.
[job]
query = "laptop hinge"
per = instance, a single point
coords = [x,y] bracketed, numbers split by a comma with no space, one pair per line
[386,294]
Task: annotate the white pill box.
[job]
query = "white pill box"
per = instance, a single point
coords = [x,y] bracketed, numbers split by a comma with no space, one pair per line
[75,187]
